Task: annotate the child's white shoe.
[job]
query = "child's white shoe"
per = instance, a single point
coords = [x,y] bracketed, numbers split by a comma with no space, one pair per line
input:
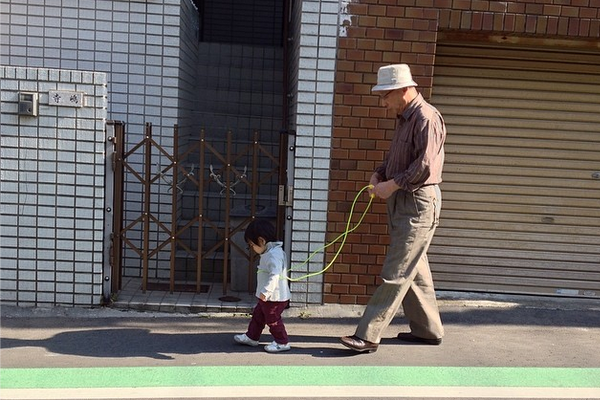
[275,347]
[243,339]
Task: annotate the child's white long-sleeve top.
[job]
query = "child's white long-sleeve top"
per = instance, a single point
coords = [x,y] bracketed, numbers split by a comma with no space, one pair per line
[271,277]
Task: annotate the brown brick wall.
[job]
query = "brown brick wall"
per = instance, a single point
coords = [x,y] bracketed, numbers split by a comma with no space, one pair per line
[400,31]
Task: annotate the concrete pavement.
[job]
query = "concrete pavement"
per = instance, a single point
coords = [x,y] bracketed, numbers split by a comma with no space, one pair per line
[503,342]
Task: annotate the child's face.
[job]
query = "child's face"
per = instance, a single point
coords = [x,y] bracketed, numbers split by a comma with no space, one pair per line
[259,247]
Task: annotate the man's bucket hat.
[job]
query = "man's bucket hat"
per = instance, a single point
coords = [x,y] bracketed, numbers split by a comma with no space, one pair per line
[392,77]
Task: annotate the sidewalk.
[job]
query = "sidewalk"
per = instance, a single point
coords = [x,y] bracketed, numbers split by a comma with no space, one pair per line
[491,330]
[136,303]
[506,342]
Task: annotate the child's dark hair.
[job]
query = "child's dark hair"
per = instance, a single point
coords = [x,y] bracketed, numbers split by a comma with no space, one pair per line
[260,228]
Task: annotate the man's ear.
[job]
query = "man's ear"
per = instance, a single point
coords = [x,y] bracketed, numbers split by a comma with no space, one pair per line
[261,241]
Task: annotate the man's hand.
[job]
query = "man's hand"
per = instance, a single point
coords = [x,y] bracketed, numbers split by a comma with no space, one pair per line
[375,179]
[385,189]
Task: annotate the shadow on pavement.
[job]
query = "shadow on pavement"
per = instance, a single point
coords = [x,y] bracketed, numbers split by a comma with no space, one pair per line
[126,343]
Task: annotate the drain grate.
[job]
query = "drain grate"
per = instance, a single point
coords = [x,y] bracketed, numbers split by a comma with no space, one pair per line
[179,287]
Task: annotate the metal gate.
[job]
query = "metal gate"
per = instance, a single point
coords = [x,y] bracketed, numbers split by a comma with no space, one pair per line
[197,232]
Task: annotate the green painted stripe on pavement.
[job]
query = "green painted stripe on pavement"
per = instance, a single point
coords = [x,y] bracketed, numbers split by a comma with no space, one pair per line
[36,378]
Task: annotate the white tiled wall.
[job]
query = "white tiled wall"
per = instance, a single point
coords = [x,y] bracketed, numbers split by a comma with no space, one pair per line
[147,50]
[136,42]
[316,25]
[52,189]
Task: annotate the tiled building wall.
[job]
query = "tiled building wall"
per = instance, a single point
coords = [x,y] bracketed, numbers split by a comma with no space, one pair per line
[316,23]
[148,49]
[189,38]
[293,72]
[137,42]
[380,32]
[52,189]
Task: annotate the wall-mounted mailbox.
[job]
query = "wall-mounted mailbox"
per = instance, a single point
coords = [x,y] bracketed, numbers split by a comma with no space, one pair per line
[28,104]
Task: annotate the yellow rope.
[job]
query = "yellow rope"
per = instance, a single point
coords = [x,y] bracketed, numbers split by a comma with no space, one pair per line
[344,235]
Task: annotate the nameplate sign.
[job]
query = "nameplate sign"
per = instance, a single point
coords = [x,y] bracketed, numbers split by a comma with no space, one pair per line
[65,98]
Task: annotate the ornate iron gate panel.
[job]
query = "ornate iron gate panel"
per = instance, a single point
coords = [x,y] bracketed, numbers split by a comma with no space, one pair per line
[198,231]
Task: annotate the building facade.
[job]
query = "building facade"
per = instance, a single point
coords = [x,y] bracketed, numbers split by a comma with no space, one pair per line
[517,83]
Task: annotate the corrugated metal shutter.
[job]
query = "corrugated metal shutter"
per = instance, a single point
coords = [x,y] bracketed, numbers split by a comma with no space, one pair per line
[521,191]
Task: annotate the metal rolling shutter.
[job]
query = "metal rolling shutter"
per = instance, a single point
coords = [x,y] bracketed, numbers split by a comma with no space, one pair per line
[521,190]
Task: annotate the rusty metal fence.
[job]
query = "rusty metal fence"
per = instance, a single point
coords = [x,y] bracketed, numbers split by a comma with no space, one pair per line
[178,235]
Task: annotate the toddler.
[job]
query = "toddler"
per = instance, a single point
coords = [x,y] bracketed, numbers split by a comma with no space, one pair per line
[272,288]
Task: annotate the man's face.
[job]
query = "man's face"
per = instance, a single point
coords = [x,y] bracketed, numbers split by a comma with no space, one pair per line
[394,100]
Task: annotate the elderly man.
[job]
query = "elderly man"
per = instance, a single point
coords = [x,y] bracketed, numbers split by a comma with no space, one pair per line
[408,180]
